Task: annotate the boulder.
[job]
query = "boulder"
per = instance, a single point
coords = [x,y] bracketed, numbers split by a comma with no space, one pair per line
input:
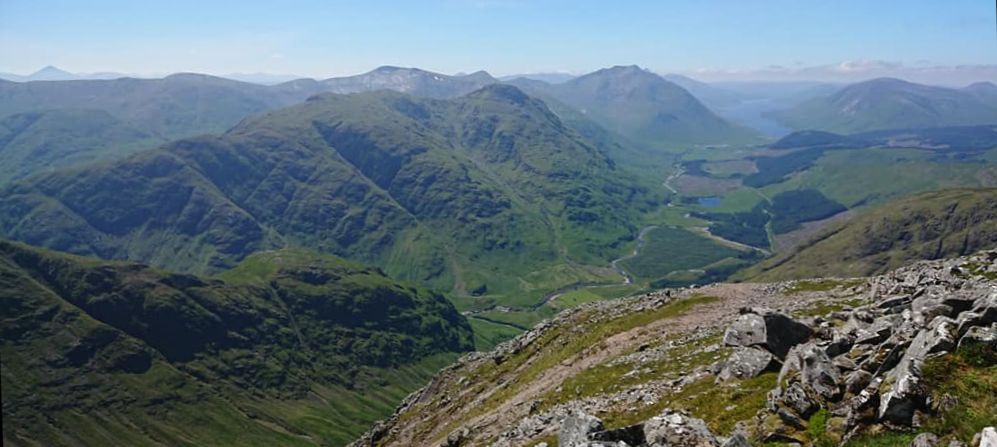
[813,368]
[672,428]
[775,332]
[577,430]
[904,393]
[745,363]
[925,440]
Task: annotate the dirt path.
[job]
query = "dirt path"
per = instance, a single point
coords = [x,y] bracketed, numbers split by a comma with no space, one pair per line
[704,318]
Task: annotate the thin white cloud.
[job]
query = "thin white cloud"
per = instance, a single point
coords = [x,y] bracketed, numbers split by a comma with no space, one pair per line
[857,70]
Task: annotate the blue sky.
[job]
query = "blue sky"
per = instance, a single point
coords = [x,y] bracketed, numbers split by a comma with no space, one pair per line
[328,38]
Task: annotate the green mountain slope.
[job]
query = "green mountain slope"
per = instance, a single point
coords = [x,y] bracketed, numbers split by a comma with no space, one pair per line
[642,107]
[34,142]
[891,104]
[289,348]
[926,226]
[470,194]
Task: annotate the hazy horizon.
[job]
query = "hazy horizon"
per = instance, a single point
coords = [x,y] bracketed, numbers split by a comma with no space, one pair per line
[952,43]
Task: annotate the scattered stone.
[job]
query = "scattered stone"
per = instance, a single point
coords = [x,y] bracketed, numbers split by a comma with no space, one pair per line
[925,440]
[672,428]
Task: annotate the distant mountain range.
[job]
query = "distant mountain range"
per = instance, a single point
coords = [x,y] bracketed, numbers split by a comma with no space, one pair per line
[441,191]
[642,106]
[550,78]
[888,103]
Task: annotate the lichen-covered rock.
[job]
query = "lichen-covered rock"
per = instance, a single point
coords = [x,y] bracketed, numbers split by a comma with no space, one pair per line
[672,428]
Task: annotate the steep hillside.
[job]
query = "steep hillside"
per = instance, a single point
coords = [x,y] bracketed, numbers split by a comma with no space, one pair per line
[33,142]
[288,348]
[642,107]
[472,194]
[891,104]
[926,226]
[859,362]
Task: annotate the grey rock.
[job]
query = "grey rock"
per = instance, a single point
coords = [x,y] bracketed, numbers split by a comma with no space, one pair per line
[738,440]
[875,333]
[814,370]
[748,330]
[926,308]
[774,331]
[979,335]
[796,398]
[967,320]
[844,363]
[745,363]
[632,435]
[672,428]
[856,381]
[839,344]
[577,430]
[925,440]
[905,392]
[988,437]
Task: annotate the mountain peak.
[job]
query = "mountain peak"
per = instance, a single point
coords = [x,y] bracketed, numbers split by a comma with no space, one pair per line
[51,73]
[501,92]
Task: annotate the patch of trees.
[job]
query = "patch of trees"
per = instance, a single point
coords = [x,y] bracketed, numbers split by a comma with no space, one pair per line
[775,169]
[791,208]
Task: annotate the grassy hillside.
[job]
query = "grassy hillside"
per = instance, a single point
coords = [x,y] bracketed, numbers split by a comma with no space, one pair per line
[289,348]
[471,195]
[891,104]
[926,226]
[34,142]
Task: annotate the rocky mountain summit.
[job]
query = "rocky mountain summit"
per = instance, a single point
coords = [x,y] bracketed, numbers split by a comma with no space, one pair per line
[906,358]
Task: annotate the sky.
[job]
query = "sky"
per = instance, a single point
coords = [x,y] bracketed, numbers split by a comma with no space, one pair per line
[950,40]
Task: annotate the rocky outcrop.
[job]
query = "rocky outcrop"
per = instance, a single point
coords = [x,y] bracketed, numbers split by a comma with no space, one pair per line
[772,331]
[866,368]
